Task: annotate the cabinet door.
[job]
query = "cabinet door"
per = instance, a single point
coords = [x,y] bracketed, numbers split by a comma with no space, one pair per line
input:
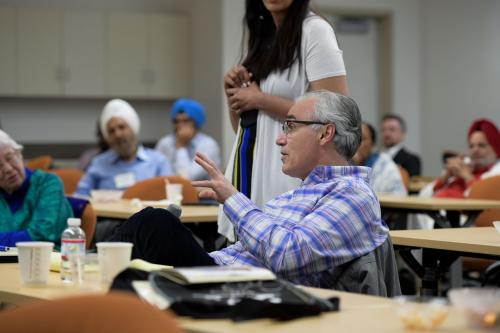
[127,55]
[8,63]
[39,51]
[83,43]
[169,55]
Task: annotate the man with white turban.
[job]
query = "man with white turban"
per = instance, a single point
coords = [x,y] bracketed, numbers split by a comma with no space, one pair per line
[127,161]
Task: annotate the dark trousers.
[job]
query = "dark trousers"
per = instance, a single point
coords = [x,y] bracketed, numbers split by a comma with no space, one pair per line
[159,237]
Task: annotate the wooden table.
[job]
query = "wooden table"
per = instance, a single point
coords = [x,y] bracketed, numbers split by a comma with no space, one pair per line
[359,313]
[432,207]
[13,292]
[441,247]
[124,209]
[416,185]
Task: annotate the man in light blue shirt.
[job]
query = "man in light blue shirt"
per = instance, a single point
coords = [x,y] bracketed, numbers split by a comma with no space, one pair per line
[188,116]
[127,161]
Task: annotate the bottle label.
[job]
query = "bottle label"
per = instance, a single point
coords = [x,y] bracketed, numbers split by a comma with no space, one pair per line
[71,247]
[72,260]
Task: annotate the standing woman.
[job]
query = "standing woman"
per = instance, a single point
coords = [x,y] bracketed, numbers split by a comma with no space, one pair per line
[290,50]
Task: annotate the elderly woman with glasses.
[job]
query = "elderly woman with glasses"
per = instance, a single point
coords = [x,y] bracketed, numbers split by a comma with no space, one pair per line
[32,203]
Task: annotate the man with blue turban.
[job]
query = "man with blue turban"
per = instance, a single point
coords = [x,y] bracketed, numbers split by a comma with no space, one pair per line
[188,116]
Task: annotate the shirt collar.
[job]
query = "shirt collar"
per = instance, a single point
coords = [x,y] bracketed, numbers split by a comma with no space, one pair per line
[325,173]
[394,149]
[140,155]
[370,161]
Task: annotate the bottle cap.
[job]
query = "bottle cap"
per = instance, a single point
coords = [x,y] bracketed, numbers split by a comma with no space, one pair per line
[74,222]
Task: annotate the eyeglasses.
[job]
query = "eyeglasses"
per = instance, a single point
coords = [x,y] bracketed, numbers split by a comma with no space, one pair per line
[290,125]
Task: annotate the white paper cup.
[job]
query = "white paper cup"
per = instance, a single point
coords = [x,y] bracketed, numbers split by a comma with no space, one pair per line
[34,261]
[496,224]
[113,258]
[174,193]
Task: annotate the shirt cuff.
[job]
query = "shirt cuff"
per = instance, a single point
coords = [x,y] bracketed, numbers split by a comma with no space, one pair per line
[237,206]
[12,237]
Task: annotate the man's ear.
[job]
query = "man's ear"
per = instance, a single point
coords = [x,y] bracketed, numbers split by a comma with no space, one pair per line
[327,134]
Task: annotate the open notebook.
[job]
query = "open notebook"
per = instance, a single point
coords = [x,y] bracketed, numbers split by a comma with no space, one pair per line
[217,274]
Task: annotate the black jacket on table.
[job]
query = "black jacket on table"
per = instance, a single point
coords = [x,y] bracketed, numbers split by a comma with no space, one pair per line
[408,161]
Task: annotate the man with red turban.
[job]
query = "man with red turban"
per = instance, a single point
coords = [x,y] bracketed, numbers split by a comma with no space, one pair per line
[483,161]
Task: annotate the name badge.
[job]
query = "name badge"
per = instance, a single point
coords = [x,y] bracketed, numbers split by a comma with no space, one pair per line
[124,180]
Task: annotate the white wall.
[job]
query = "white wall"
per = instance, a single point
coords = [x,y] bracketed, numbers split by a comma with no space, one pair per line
[361,60]
[170,5]
[461,73]
[206,81]
[71,121]
[232,16]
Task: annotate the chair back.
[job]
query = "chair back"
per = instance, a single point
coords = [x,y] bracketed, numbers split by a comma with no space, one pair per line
[89,221]
[375,273]
[83,209]
[405,176]
[69,177]
[154,189]
[487,188]
[43,162]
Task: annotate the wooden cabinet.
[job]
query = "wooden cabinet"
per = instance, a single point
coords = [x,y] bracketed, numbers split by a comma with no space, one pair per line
[84,45]
[148,55]
[126,57]
[84,53]
[39,61]
[169,56]
[8,52]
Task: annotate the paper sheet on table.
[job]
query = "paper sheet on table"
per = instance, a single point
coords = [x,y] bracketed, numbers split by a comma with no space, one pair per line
[55,264]
[154,203]
[147,266]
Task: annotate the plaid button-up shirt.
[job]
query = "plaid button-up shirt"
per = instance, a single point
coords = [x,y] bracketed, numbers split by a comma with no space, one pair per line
[303,234]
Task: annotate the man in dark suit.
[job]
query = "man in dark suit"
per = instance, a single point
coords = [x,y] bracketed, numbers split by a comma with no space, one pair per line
[393,135]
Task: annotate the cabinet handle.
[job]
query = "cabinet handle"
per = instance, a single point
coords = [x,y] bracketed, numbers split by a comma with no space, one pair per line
[148,77]
[59,74]
[63,74]
[66,74]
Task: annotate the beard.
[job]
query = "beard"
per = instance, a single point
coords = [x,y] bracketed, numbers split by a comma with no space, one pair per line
[482,162]
[125,148]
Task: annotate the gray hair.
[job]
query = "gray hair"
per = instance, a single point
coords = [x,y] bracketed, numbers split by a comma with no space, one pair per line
[342,111]
[5,139]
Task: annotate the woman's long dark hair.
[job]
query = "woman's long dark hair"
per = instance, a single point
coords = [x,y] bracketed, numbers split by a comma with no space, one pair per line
[269,48]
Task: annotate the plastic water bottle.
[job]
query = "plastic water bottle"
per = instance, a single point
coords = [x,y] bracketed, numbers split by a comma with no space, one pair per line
[72,252]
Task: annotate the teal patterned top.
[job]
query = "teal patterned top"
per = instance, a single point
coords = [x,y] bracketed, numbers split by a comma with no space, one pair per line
[44,211]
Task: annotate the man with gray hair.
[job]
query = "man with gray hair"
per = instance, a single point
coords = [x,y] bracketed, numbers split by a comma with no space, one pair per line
[303,235]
